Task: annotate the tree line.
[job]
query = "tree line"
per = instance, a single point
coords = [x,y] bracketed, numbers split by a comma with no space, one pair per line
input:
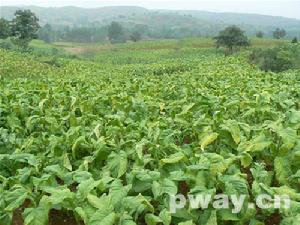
[25,26]
[279,33]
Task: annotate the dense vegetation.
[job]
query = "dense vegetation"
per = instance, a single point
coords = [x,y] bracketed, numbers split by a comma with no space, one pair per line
[91,25]
[277,59]
[106,141]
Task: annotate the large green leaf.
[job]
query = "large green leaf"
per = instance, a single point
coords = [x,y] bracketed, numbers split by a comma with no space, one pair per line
[117,163]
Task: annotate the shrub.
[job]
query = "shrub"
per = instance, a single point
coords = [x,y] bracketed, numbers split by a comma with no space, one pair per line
[277,59]
[259,34]
[6,45]
[295,40]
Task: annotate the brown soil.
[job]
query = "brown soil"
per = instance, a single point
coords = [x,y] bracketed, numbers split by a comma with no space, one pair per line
[83,50]
[76,50]
[187,140]
[55,217]
[17,215]
[62,218]
[250,178]
[158,47]
[274,219]
[184,188]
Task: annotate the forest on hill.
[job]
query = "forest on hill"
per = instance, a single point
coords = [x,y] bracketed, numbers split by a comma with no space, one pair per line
[91,25]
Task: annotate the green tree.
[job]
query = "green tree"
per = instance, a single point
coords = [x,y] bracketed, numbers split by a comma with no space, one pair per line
[143,29]
[231,38]
[4,28]
[116,33]
[46,33]
[279,33]
[135,36]
[295,40]
[259,34]
[24,27]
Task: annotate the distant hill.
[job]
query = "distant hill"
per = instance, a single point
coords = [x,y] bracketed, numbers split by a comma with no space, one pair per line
[74,15]
[195,22]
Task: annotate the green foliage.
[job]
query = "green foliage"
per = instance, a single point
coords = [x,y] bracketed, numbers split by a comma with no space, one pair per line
[116,33]
[295,40]
[232,37]
[5,29]
[135,36]
[277,59]
[24,28]
[82,34]
[109,142]
[6,44]
[39,49]
[279,33]
[259,34]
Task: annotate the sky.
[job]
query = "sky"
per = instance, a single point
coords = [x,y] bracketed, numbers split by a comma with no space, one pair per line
[286,8]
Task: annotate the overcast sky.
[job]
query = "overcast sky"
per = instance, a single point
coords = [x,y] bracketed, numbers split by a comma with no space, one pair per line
[287,8]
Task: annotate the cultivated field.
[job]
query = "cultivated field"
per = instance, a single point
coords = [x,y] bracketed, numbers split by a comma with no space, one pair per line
[107,137]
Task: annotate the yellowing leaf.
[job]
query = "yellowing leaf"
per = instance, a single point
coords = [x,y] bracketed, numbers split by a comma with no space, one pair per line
[175,158]
[208,139]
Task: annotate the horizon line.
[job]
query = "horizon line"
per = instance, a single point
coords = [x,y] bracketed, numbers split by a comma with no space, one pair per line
[151,9]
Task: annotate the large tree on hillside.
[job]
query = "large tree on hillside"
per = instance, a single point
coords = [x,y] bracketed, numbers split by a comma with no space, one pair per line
[135,36]
[231,38]
[259,34]
[279,33]
[4,28]
[24,27]
[116,33]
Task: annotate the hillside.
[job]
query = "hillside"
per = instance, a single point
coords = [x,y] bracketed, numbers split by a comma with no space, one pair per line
[193,23]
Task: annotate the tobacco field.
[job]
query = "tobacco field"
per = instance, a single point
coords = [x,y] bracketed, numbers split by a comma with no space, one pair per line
[107,142]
